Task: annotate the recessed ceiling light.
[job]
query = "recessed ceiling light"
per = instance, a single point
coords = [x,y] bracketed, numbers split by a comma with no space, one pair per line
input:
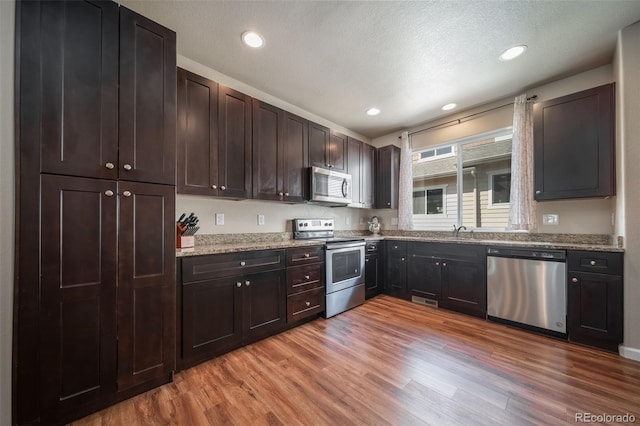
[373,111]
[513,52]
[252,39]
[447,107]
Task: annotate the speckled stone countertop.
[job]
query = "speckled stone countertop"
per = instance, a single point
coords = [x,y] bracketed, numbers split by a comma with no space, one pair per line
[231,243]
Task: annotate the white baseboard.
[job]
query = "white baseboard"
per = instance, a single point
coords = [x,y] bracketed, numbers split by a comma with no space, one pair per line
[630,353]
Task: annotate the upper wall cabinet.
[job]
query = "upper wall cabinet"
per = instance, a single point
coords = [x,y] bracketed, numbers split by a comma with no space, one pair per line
[214,138]
[280,152]
[147,100]
[327,148]
[361,165]
[387,177]
[574,145]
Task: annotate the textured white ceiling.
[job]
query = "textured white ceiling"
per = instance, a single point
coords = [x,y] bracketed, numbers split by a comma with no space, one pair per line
[336,59]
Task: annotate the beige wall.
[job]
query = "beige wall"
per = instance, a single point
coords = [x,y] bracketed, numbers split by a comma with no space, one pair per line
[585,216]
[628,94]
[6,204]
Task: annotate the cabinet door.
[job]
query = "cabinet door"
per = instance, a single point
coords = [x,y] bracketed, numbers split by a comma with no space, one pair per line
[574,142]
[595,309]
[367,176]
[146,293]
[372,278]
[197,134]
[147,100]
[337,152]
[295,154]
[212,318]
[234,154]
[78,63]
[354,161]
[464,287]
[268,123]
[318,145]
[264,306]
[424,277]
[387,174]
[78,292]
[396,276]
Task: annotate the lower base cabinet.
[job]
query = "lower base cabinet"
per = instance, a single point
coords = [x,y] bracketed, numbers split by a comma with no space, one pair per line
[373,269]
[395,276]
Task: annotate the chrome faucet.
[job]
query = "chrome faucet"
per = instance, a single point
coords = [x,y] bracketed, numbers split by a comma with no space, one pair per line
[456,230]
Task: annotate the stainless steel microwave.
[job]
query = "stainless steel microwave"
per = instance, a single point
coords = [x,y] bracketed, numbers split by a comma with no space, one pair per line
[330,187]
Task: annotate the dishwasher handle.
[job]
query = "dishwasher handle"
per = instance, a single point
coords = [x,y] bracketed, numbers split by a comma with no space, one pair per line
[528,253]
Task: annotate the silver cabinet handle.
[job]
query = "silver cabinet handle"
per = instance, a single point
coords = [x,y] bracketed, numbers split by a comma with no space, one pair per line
[306,277]
[127,167]
[307,303]
[127,193]
[538,192]
[592,263]
[109,166]
[286,194]
[574,280]
[444,263]
[223,187]
[402,259]
[214,186]
[238,284]
[306,255]
[280,194]
[108,193]
[243,263]
[366,260]
[437,263]
[388,204]
[247,282]
[395,247]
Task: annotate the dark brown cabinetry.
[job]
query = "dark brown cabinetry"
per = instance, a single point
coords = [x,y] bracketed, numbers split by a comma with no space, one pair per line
[424,276]
[229,300]
[373,268]
[336,153]
[96,242]
[387,177]
[574,145]
[280,152]
[395,282]
[327,148]
[595,291]
[361,165]
[305,282]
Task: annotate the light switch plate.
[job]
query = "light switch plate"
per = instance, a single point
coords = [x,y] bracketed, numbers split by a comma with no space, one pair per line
[219,218]
[549,219]
[260,219]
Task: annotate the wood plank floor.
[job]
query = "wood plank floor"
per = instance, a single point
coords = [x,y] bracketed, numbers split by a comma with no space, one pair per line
[392,362]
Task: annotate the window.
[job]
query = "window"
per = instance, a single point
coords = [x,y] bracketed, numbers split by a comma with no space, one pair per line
[499,189]
[429,201]
[464,182]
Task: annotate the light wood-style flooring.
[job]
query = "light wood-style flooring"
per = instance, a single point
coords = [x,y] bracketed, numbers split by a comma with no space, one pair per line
[392,362]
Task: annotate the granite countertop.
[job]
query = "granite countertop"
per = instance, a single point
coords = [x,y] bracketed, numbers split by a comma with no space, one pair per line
[246,242]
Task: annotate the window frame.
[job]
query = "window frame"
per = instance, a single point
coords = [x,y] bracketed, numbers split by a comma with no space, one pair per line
[435,155]
[426,215]
[490,176]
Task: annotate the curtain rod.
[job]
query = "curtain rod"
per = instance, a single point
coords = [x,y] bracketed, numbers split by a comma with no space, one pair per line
[459,120]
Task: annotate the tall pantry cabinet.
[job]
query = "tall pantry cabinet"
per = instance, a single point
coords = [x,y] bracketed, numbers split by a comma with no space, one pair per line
[95,277]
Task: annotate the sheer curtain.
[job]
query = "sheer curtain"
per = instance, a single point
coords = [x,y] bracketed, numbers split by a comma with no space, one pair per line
[405,190]
[522,210]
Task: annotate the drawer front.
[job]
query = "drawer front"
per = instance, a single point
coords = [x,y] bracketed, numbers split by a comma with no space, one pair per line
[372,247]
[305,304]
[396,247]
[596,262]
[305,255]
[305,277]
[471,252]
[198,268]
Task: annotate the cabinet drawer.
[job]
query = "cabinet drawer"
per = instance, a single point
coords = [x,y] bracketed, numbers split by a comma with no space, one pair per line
[305,277]
[399,247]
[200,268]
[593,261]
[304,255]
[471,252]
[372,247]
[305,304]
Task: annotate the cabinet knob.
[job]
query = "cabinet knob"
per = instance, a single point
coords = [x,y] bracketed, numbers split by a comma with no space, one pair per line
[574,280]
[223,187]
[280,194]
[538,192]
[127,167]
[402,259]
[243,263]
[366,260]
[247,282]
[389,204]
[127,193]
[214,186]
[286,194]
[238,284]
[306,255]
[307,303]
[395,247]
[108,193]
[437,263]
[306,277]
[592,262]
[109,166]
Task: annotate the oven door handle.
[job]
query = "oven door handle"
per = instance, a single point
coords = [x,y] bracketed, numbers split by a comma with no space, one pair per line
[335,246]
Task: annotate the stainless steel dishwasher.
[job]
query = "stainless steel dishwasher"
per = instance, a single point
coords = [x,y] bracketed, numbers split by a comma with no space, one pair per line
[528,287]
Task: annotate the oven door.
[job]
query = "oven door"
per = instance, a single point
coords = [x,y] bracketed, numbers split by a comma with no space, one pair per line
[345,265]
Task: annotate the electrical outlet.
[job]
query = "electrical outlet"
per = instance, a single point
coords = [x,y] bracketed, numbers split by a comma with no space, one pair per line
[549,219]
[260,219]
[347,220]
[219,218]
[394,220]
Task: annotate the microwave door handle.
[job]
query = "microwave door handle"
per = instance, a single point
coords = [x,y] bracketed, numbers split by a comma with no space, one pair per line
[344,188]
